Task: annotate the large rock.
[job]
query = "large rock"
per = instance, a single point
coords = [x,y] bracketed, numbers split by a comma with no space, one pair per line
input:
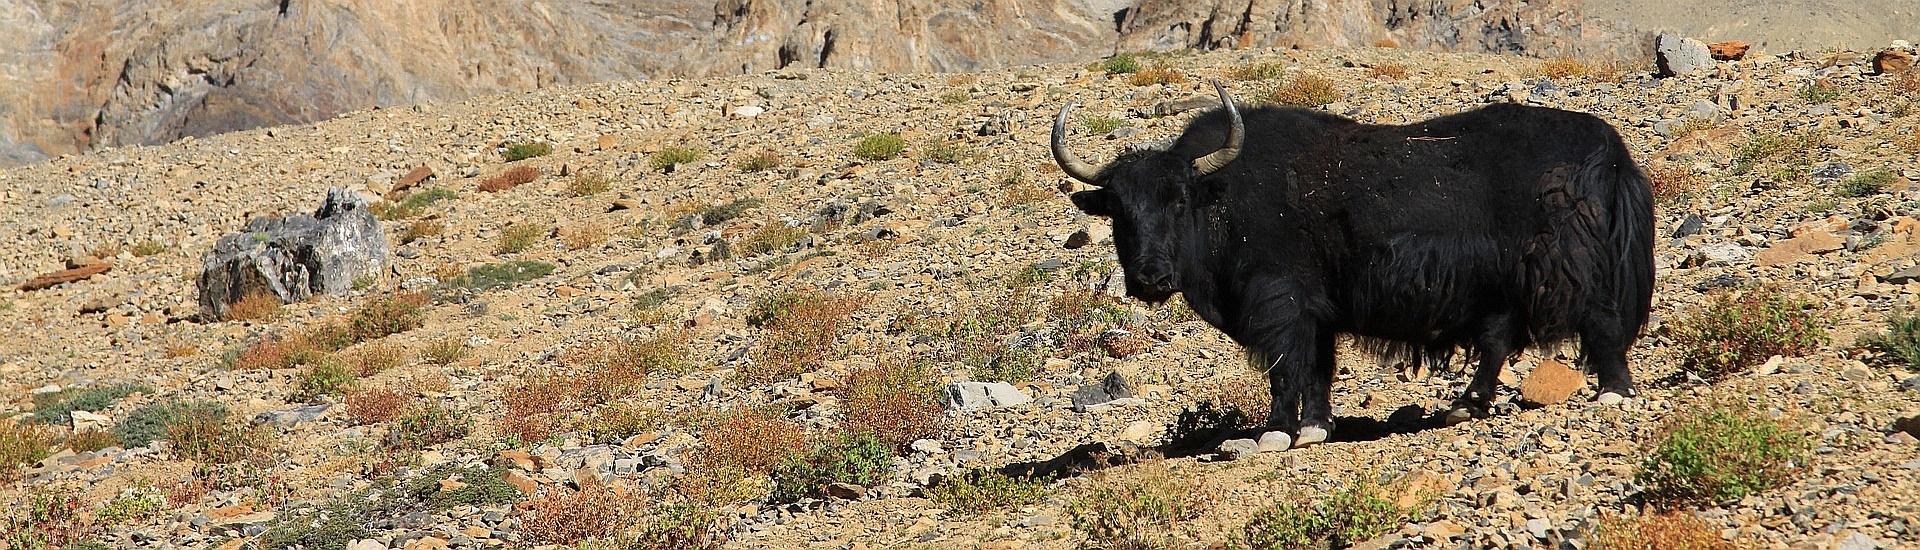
[295,257]
[1891,61]
[1677,55]
[982,395]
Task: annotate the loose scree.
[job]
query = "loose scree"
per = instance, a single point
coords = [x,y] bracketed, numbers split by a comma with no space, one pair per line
[1490,231]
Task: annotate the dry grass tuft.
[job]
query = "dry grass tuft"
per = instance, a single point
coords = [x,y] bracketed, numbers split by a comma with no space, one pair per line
[279,353]
[619,366]
[1673,183]
[585,236]
[1606,70]
[519,237]
[382,316]
[534,407]
[444,351]
[22,444]
[373,406]
[897,403]
[378,357]
[587,183]
[1307,90]
[513,177]
[1156,75]
[1676,530]
[257,306]
[1392,71]
[421,229]
[799,332]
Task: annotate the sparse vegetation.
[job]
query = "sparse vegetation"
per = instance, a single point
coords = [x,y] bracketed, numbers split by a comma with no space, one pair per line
[587,183]
[955,96]
[1264,70]
[259,306]
[1789,149]
[516,152]
[327,377]
[760,161]
[202,433]
[428,425]
[585,236]
[57,407]
[1818,91]
[422,229]
[412,206]
[485,277]
[91,440]
[133,504]
[374,406]
[148,247]
[519,237]
[1391,71]
[775,236]
[858,459]
[1124,63]
[22,444]
[377,357]
[798,333]
[1148,509]
[666,159]
[726,212]
[983,491]
[1737,330]
[1156,75]
[897,403]
[566,517]
[1673,183]
[1610,70]
[48,518]
[751,440]
[1102,124]
[444,351]
[1721,453]
[152,422]
[618,366]
[1872,182]
[1307,90]
[1358,511]
[511,178]
[385,315]
[945,152]
[1672,530]
[614,422]
[877,147]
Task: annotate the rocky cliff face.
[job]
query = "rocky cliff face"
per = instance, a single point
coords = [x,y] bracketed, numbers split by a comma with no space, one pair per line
[76,76]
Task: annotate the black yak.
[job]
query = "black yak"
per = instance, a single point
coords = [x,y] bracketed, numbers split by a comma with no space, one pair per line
[1492,231]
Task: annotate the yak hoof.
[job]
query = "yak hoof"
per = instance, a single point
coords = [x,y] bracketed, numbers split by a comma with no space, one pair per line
[1310,435]
[1275,441]
[1610,398]
[1459,415]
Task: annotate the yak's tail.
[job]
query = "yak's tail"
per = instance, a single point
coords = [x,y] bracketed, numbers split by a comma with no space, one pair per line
[1611,176]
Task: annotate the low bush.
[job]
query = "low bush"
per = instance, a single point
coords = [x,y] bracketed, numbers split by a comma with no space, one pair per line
[255,306]
[426,426]
[1124,63]
[519,237]
[858,459]
[57,407]
[983,491]
[511,178]
[878,147]
[666,159]
[91,440]
[47,518]
[587,183]
[1721,453]
[485,277]
[798,335]
[1867,183]
[1264,70]
[377,405]
[1737,330]
[1306,90]
[444,351]
[22,444]
[897,403]
[516,152]
[422,229]
[327,377]
[1147,510]
[565,517]
[1359,511]
[1102,124]
[760,161]
[1156,75]
[775,236]
[151,422]
[386,315]
[377,357]
[1673,530]
[750,440]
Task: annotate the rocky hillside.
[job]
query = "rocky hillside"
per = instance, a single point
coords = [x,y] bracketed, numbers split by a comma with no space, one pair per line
[737,310]
[82,76]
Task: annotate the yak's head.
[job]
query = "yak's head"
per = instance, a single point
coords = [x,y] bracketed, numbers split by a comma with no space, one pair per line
[1151,195]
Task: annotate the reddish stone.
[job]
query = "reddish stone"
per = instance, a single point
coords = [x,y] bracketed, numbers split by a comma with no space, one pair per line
[1892,61]
[419,174]
[1728,51]
[1550,383]
[66,276]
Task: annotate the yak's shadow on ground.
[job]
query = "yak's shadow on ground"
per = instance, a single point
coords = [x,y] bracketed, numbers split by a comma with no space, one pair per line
[1198,432]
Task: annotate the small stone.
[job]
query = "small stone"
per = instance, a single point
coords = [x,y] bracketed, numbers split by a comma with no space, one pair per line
[1550,383]
[1538,528]
[1912,383]
[1610,399]
[747,111]
[929,446]
[1892,61]
[293,416]
[85,421]
[1858,541]
[1275,441]
[449,485]
[1235,449]
[366,544]
[1138,432]
[1442,530]
[520,480]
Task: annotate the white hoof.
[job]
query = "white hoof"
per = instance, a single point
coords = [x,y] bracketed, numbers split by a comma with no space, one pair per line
[1310,435]
[1610,398]
[1273,442]
[1458,415]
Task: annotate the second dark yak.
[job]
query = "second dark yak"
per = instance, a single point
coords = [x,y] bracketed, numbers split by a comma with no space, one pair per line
[1490,231]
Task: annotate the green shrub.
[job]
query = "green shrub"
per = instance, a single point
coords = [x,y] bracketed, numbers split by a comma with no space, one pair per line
[50,518]
[329,377]
[519,237]
[1359,511]
[760,161]
[1719,454]
[149,423]
[984,491]
[773,237]
[148,247]
[1120,64]
[1901,339]
[411,206]
[1146,512]
[1007,364]
[955,96]
[1866,183]
[859,459]
[680,526]
[1102,124]
[57,407]
[1818,92]
[491,276]
[330,527]
[589,183]
[1792,149]
[386,315]
[666,159]
[485,486]
[945,152]
[879,146]
[427,426]
[726,212]
[525,150]
[1734,331]
[134,504]
[203,435]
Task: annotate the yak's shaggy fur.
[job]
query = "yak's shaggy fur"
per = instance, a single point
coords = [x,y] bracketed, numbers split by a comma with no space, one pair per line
[1491,230]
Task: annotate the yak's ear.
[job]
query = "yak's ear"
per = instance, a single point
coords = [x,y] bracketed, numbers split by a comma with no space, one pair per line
[1098,202]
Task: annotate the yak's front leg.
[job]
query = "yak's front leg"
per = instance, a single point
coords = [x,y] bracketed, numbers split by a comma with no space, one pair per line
[1297,359]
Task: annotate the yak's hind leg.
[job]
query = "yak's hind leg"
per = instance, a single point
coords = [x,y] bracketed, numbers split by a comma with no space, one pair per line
[1604,347]
[1498,339]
